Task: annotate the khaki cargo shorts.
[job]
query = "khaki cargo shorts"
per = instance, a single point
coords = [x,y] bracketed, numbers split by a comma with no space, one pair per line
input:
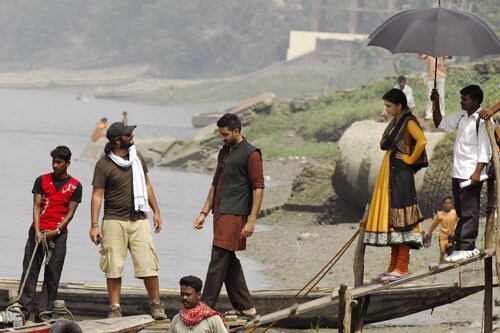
[120,236]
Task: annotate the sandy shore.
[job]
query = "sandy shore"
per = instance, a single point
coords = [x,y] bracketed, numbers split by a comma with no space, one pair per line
[293,248]
[291,260]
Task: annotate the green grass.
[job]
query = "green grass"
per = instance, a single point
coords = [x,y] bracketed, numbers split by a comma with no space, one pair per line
[285,134]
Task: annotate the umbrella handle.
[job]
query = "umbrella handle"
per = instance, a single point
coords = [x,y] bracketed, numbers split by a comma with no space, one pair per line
[435,71]
[435,102]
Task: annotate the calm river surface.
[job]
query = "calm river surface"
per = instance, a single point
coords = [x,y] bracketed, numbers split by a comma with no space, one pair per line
[36,121]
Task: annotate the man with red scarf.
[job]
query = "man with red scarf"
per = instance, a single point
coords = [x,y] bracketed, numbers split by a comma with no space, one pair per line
[195,316]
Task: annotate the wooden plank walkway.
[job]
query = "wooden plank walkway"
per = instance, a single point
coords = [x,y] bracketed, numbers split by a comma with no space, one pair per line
[358,292]
[116,325]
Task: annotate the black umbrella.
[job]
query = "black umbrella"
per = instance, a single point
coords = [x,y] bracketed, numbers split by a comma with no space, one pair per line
[436,32]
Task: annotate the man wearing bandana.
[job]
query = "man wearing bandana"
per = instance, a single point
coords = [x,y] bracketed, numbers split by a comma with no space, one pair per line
[120,177]
[195,316]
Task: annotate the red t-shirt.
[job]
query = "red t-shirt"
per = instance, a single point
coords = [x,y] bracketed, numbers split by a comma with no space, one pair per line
[55,201]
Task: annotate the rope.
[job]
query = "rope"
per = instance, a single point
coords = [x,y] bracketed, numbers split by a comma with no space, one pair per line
[55,315]
[48,247]
[322,272]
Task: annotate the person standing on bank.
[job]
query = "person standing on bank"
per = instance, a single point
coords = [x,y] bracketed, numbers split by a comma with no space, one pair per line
[235,199]
[394,217]
[439,74]
[120,177]
[56,197]
[471,153]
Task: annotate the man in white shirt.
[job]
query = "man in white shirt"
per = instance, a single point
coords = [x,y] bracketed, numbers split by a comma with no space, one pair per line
[195,316]
[471,154]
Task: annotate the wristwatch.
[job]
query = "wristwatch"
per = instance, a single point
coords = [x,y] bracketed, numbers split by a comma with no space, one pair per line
[58,231]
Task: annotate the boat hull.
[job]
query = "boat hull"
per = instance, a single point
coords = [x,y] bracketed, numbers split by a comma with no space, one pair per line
[92,301]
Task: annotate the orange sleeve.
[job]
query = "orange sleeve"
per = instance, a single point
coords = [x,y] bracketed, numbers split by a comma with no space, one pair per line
[434,223]
[417,134]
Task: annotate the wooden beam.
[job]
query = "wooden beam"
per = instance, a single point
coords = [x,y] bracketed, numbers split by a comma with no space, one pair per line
[362,291]
[359,312]
[490,224]
[359,255]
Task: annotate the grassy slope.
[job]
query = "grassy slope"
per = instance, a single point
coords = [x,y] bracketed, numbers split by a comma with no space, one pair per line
[286,134]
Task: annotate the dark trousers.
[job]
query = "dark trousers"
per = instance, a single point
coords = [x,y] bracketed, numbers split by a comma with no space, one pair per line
[51,277]
[225,268]
[467,202]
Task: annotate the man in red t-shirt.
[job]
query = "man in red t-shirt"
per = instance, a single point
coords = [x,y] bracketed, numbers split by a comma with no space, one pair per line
[56,196]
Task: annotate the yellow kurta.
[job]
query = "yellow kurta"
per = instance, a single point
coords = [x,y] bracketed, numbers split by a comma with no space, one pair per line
[378,232]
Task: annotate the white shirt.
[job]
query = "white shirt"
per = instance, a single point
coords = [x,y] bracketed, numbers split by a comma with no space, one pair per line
[471,147]
[212,324]
[409,95]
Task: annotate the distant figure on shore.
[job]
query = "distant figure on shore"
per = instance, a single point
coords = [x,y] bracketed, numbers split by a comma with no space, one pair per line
[409,97]
[125,118]
[440,76]
[447,219]
[80,98]
[234,198]
[171,93]
[394,218]
[56,196]
[100,129]
[195,316]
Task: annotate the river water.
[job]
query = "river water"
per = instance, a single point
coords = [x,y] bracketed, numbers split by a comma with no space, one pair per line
[36,121]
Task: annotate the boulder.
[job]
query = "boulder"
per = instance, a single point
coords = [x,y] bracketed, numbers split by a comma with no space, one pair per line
[357,170]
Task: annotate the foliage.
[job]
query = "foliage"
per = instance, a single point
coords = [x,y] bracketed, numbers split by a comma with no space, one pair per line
[284,133]
[276,135]
[190,38]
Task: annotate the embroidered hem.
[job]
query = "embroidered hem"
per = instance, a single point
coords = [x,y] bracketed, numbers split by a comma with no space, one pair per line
[411,237]
[405,218]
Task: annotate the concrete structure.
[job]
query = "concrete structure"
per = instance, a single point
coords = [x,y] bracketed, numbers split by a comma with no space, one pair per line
[304,42]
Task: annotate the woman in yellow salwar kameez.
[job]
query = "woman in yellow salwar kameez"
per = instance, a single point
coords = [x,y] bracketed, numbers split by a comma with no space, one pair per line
[394,218]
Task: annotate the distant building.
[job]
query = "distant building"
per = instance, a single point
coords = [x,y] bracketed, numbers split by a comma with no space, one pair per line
[305,42]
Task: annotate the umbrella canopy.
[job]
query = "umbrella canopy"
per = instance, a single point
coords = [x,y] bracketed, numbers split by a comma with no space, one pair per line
[436,32]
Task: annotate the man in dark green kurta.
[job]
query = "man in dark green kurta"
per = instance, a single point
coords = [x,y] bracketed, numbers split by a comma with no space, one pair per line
[235,199]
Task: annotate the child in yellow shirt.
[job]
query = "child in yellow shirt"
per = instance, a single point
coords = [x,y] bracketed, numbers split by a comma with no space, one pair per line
[448,220]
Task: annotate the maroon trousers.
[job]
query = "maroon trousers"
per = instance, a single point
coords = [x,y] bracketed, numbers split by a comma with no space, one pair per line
[225,268]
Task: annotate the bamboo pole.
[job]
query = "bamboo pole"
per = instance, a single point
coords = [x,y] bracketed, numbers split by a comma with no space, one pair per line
[488,262]
[359,312]
[496,164]
[359,255]
[490,224]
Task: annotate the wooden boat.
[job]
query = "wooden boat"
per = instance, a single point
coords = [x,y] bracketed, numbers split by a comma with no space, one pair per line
[91,301]
[260,104]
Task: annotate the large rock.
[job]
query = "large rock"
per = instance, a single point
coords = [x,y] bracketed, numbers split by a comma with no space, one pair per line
[93,150]
[159,145]
[152,149]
